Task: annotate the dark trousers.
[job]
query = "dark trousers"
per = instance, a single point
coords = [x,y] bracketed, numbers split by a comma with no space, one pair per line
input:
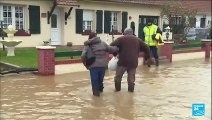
[97,76]
[120,70]
[154,51]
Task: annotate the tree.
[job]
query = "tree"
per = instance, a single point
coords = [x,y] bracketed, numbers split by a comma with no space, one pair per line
[178,16]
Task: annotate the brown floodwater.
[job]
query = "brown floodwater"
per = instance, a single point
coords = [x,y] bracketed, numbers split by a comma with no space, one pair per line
[163,93]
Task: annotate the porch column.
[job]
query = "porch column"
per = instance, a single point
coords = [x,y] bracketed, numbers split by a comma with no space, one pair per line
[46,61]
[207,44]
[166,50]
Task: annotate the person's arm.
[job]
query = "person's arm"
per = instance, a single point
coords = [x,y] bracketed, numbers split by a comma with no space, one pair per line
[117,44]
[159,31]
[146,50]
[111,49]
[83,55]
[143,34]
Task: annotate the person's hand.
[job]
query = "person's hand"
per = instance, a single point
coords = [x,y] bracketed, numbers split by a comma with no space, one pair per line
[117,56]
[87,67]
[149,61]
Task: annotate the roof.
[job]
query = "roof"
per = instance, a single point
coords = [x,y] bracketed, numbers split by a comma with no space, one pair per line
[146,2]
[202,6]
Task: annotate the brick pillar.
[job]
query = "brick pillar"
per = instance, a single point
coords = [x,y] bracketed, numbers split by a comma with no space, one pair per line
[207,48]
[166,50]
[46,61]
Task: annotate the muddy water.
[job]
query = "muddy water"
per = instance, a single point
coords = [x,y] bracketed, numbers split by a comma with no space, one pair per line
[164,93]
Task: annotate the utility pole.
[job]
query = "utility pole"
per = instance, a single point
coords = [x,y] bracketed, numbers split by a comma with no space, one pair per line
[2,34]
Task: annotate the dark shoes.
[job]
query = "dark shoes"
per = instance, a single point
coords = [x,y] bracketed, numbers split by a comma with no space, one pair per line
[130,88]
[101,89]
[96,93]
[118,87]
[157,62]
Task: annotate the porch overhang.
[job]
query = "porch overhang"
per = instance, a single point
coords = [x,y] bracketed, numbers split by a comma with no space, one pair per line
[62,3]
[66,3]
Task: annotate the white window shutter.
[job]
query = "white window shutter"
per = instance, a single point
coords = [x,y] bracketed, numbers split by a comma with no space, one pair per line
[87,15]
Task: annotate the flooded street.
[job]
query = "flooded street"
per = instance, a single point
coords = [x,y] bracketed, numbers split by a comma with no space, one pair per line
[163,93]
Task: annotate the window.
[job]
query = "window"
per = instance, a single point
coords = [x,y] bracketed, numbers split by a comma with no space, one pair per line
[87,20]
[209,24]
[7,16]
[114,21]
[87,25]
[177,20]
[12,15]
[54,21]
[19,18]
[202,22]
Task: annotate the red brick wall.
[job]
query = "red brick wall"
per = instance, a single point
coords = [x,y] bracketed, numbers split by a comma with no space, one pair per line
[166,50]
[46,62]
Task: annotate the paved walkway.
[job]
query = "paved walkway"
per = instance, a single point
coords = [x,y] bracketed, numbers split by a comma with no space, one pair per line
[70,68]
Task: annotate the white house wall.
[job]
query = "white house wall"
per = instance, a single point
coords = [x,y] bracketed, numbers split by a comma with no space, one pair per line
[34,39]
[69,30]
[198,19]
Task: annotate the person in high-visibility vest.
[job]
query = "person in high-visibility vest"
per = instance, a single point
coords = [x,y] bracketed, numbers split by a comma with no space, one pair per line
[149,32]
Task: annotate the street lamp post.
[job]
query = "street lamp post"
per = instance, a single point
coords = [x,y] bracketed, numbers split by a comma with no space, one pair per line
[1,32]
[167,29]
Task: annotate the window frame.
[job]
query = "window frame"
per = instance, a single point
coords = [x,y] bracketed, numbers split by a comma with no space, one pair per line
[177,20]
[85,22]
[114,19]
[20,32]
[118,21]
[13,15]
[23,17]
[86,25]
[202,22]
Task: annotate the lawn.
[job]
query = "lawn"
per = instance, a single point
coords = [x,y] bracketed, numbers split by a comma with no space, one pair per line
[24,57]
[191,44]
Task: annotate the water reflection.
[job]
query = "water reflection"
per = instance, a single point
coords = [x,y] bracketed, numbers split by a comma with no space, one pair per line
[164,93]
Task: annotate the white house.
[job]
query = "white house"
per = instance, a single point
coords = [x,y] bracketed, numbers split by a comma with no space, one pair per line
[63,21]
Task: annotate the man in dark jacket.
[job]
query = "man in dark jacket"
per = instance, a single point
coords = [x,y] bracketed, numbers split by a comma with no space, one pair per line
[129,48]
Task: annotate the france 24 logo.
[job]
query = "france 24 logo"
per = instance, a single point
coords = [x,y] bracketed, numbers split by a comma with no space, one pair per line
[198,109]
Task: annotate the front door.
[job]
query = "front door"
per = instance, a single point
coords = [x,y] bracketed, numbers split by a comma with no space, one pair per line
[56,27]
[142,23]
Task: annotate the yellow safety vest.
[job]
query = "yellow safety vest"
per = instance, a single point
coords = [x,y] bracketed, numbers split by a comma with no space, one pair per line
[148,32]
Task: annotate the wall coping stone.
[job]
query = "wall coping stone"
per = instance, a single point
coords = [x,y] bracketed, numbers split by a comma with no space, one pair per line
[45,47]
[169,42]
[206,40]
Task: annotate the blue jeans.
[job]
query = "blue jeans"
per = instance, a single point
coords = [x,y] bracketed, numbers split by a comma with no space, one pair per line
[154,51]
[97,76]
